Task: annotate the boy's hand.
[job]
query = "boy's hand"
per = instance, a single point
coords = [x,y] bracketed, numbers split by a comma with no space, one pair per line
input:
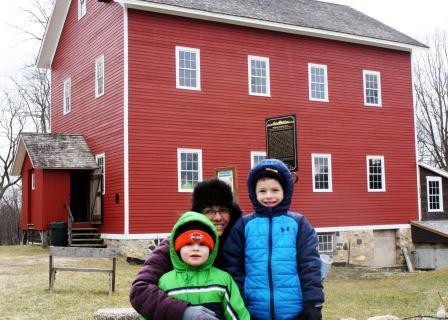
[198,313]
[311,312]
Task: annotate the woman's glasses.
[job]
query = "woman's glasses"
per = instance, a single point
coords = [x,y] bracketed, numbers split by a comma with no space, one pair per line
[210,212]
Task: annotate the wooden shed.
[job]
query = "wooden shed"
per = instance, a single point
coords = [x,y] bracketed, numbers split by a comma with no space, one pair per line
[57,170]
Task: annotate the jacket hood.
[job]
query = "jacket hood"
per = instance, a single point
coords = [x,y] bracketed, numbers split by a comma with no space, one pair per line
[283,170]
[188,217]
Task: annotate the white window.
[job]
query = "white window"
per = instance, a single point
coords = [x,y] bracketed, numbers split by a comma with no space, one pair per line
[82,8]
[99,76]
[434,191]
[256,156]
[259,83]
[188,68]
[189,168]
[318,82]
[325,242]
[101,161]
[322,180]
[375,174]
[67,95]
[372,88]
[33,181]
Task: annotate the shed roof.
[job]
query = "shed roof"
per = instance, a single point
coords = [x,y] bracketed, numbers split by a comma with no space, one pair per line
[439,227]
[302,13]
[53,151]
[438,171]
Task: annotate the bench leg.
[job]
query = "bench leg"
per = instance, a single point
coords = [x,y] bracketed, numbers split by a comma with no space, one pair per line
[110,283]
[52,279]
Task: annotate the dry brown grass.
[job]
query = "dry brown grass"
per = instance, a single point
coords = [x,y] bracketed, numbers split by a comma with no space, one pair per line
[355,293]
[24,286]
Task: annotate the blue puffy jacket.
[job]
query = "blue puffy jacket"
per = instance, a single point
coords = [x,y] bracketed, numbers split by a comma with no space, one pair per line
[272,255]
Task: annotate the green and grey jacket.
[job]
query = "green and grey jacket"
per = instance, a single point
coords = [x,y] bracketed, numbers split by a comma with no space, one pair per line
[203,285]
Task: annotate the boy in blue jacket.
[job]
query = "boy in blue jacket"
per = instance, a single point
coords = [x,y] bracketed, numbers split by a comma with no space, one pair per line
[272,253]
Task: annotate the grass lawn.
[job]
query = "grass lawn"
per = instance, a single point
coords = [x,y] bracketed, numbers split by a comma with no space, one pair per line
[349,292]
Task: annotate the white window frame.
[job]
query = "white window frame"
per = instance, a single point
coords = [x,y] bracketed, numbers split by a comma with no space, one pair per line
[378,75]
[320,66]
[82,8]
[67,95]
[102,169]
[330,175]
[254,154]
[198,68]
[268,81]
[383,174]
[98,77]
[33,181]
[439,180]
[331,235]
[180,151]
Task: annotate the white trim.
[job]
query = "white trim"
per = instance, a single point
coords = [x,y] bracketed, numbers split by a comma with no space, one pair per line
[33,181]
[417,169]
[135,236]
[330,175]
[98,60]
[81,12]
[198,67]
[126,120]
[69,109]
[103,171]
[261,24]
[310,95]
[359,228]
[440,196]
[268,81]
[179,180]
[383,173]
[378,75]
[256,154]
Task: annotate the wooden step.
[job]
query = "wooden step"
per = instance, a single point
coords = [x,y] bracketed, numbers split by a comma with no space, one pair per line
[89,245]
[85,229]
[87,240]
[93,235]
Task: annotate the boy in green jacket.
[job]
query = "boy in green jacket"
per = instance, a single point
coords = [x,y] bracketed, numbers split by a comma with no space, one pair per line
[194,279]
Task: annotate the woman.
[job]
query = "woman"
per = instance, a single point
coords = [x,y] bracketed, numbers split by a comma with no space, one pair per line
[214,199]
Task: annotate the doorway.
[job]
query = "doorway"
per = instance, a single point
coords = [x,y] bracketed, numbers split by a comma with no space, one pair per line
[79,195]
[384,250]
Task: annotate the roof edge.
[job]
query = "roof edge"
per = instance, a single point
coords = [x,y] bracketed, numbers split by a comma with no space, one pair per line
[52,34]
[262,24]
[438,171]
[19,158]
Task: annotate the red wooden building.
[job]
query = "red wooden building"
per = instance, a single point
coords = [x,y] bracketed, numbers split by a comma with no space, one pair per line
[166,91]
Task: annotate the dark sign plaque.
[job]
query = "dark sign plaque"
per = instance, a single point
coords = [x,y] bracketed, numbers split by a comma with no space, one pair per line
[281,140]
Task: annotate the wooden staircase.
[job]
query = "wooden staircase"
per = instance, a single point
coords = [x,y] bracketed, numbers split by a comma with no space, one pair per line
[85,236]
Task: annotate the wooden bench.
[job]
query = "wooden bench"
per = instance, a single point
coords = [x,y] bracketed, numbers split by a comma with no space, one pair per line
[74,252]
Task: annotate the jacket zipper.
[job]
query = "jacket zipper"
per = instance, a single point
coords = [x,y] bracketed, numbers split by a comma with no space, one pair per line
[271,289]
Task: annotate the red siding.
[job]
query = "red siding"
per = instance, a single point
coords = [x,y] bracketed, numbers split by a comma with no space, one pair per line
[100,120]
[226,123]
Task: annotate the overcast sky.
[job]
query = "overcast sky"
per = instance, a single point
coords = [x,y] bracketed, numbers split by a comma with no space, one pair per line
[416,18]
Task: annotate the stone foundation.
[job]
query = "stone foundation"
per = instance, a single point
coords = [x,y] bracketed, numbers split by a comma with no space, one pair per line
[357,247]
[350,247]
[138,249]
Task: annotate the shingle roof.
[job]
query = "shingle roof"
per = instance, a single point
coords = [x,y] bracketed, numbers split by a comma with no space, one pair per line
[58,151]
[300,13]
